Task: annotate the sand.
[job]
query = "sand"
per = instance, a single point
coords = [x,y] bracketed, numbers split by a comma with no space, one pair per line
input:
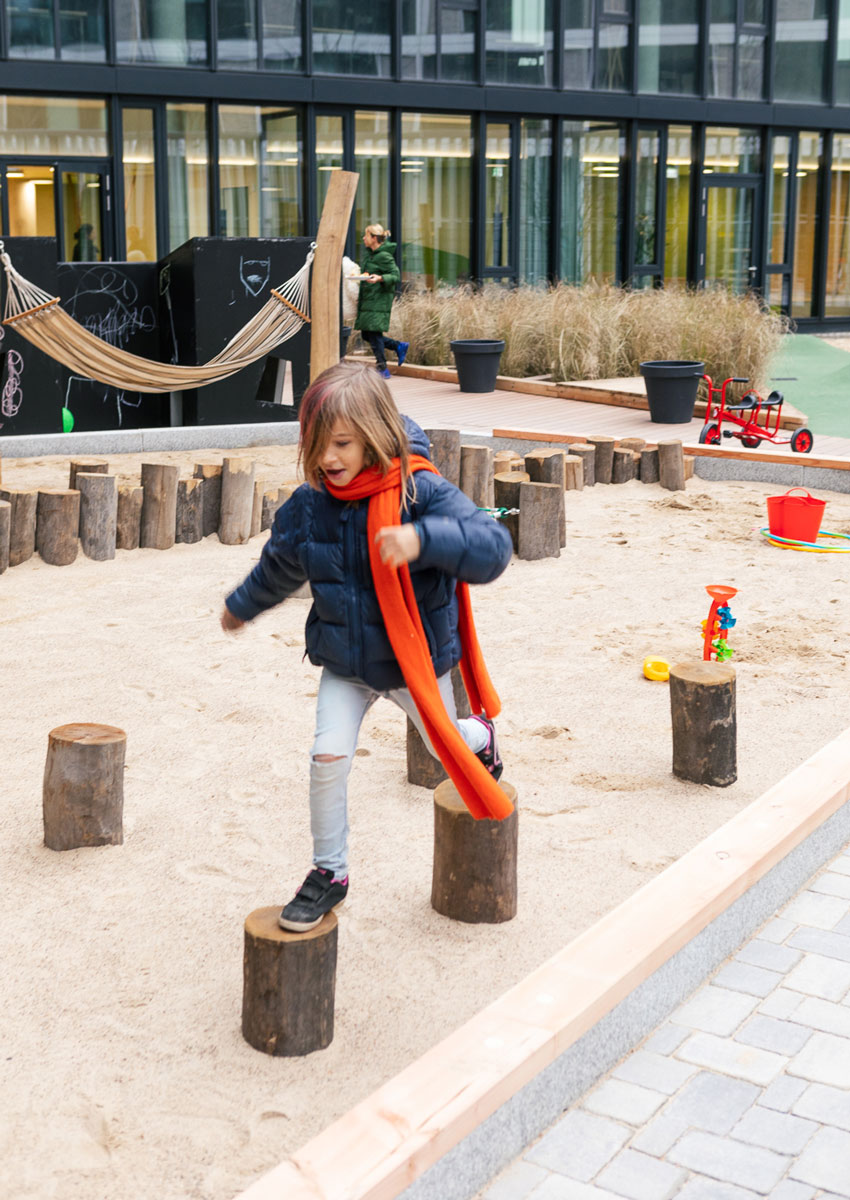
[124,1072]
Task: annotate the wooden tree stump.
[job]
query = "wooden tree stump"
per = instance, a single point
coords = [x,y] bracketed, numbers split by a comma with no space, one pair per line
[476,474]
[506,495]
[507,460]
[24,504]
[210,475]
[288,985]
[57,525]
[445,452]
[632,443]
[474,876]
[237,501]
[547,466]
[689,463]
[5,533]
[86,466]
[423,770]
[271,503]
[648,469]
[189,519]
[98,514]
[159,505]
[702,705]
[671,465]
[540,508]
[257,507]
[83,794]
[128,524]
[623,466]
[573,473]
[604,460]
[587,454]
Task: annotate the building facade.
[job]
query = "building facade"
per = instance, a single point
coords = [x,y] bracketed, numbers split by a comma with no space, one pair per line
[637,141]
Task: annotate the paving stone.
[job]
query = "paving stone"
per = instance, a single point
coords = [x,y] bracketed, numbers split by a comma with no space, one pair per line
[715,1010]
[624,1101]
[817,975]
[824,1016]
[579,1145]
[659,1135]
[789,1189]
[825,1163]
[753,980]
[639,1177]
[517,1182]
[773,1130]
[841,864]
[772,958]
[782,1003]
[822,912]
[732,1162]
[843,927]
[776,930]
[783,1093]
[654,1071]
[785,1037]
[665,1040]
[819,941]
[558,1187]
[711,1102]
[711,1189]
[829,1105]
[732,1058]
[832,884]
[824,1059]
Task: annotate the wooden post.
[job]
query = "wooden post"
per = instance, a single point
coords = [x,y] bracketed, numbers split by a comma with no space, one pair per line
[631,443]
[423,770]
[159,505]
[649,465]
[623,465]
[210,474]
[189,521]
[547,466]
[476,475]
[474,876]
[24,502]
[506,495]
[603,466]
[587,454]
[689,462]
[57,525]
[98,514]
[271,503]
[327,271]
[702,705]
[573,473]
[257,507]
[445,452]
[237,501]
[671,465]
[507,460]
[5,533]
[128,526]
[540,507]
[288,985]
[83,793]
[86,466]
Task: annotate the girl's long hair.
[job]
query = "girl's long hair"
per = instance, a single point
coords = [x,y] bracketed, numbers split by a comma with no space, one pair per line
[356,394]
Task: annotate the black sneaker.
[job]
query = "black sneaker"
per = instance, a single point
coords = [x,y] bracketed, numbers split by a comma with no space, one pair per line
[490,756]
[318,894]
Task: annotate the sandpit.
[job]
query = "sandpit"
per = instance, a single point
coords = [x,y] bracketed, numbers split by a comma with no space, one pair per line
[124,1072]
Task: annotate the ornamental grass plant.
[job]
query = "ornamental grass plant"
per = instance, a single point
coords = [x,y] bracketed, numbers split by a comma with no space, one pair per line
[596,331]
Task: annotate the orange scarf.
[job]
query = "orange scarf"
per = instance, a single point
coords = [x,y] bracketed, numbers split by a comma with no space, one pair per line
[394,587]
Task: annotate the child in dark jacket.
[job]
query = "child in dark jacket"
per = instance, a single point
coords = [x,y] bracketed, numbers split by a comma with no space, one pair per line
[375,301]
[390,614]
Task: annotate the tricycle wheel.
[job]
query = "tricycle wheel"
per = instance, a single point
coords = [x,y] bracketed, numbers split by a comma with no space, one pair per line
[751,441]
[802,441]
[709,435]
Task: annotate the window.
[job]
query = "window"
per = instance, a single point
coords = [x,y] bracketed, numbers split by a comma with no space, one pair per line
[81,28]
[678,173]
[737,33]
[236,44]
[518,43]
[842,65]
[646,197]
[438,40]
[807,178]
[800,54]
[259,152]
[167,32]
[597,45]
[668,47]
[730,151]
[139,183]
[535,153]
[58,126]
[838,256]
[436,169]
[188,173]
[351,38]
[590,181]
[371,161]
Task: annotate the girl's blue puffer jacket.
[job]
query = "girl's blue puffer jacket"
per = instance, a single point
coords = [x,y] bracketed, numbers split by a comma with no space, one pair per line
[323,540]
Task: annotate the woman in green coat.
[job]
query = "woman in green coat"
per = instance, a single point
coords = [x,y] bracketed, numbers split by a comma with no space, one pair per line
[375,301]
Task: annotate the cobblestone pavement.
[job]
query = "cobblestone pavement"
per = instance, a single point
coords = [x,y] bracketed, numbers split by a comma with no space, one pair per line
[743,1092]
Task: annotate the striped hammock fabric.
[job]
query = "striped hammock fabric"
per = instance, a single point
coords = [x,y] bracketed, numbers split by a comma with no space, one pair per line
[39,317]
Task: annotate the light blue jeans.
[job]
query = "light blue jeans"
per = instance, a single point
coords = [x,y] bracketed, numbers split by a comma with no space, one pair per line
[340,708]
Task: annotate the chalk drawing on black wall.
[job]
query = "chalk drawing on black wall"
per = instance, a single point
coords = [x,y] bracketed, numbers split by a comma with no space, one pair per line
[12,395]
[255,274]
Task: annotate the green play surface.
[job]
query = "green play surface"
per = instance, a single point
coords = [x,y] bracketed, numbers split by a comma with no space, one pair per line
[815,378]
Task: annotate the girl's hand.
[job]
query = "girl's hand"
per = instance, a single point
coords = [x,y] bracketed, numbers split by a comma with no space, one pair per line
[230,623]
[397,544]
[374,278]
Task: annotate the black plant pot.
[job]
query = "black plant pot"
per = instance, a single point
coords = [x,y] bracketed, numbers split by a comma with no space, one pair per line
[671,389]
[477,362]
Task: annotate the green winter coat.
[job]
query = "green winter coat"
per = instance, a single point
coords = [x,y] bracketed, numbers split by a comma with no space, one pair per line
[375,301]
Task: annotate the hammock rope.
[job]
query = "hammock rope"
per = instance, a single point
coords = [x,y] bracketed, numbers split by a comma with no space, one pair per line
[39,317]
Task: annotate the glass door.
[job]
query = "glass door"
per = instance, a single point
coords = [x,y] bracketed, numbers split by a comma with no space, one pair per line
[86,206]
[64,200]
[731,213]
[499,258]
[356,141]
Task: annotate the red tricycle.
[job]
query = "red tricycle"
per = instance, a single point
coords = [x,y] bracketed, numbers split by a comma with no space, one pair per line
[744,413]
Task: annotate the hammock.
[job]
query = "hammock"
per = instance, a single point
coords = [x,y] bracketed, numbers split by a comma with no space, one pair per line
[38,317]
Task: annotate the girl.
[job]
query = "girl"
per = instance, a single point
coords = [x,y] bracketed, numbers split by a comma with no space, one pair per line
[375,301]
[378,626]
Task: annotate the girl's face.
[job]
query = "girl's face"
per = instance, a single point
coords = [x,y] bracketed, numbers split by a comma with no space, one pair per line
[370,241]
[344,456]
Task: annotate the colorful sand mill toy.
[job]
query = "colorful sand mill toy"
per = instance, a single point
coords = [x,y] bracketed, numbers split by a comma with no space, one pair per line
[718,623]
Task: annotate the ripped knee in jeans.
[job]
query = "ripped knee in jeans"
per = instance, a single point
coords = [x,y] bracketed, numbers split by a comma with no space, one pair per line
[328,758]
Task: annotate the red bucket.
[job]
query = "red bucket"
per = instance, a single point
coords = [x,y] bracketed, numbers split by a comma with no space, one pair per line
[795,517]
